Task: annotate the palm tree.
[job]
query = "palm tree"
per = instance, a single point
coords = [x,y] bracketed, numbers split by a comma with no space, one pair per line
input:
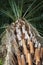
[20,38]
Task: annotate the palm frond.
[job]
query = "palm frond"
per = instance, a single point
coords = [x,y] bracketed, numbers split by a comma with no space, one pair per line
[40,32]
[7,13]
[35,9]
[22,7]
[29,8]
[15,8]
[36,18]
[3,27]
[38,9]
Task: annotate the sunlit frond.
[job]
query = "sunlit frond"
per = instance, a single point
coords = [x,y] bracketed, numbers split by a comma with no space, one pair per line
[22,6]
[13,7]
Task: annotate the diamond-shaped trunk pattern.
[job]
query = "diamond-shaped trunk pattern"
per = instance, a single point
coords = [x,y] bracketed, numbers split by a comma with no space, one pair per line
[21,46]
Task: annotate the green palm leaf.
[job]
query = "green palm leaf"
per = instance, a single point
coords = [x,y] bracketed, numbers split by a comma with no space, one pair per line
[7,13]
[29,8]
[35,8]
[36,18]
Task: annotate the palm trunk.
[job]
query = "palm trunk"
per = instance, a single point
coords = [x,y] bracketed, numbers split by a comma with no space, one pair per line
[18,37]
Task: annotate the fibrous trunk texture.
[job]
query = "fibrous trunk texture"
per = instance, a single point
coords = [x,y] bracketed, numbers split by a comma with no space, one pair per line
[21,46]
